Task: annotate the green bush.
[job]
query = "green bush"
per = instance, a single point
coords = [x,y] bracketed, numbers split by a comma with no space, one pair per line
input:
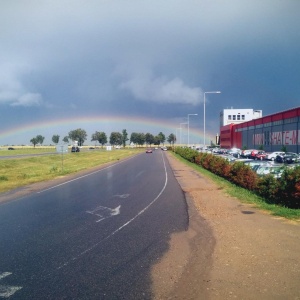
[289,188]
[284,191]
[188,153]
[268,187]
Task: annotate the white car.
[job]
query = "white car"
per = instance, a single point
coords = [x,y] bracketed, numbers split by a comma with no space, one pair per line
[272,156]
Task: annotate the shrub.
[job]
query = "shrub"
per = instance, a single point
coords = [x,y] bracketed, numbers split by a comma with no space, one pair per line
[284,191]
[267,187]
[187,153]
[289,188]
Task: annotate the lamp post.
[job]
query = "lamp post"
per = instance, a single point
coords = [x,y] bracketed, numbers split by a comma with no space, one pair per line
[213,92]
[189,127]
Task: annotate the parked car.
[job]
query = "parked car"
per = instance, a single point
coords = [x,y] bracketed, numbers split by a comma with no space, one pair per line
[246,153]
[75,149]
[215,150]
[261,155]
[221,151]
[272,155]
[11,148]
[254,163]
[253,153]
[274,170]
[288,158]
[228,157]
[235,152]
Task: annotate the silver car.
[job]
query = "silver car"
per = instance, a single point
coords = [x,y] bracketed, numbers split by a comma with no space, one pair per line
[272,156]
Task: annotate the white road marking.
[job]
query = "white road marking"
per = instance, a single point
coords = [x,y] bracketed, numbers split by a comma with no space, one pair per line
[6,290]
[123,226]
[104,212]
[3,275]
[124,196]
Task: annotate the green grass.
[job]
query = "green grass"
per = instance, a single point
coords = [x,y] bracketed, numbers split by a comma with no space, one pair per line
[19,172]
[244,195]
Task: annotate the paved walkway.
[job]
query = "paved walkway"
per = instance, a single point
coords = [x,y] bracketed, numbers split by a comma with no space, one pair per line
[235,250]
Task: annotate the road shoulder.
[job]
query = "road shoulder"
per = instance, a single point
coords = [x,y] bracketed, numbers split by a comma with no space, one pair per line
[253,254]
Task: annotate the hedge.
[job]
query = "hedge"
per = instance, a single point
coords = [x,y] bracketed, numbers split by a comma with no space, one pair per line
[283,191]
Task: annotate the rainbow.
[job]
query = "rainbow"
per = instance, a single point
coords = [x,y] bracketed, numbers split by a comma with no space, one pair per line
[95,123]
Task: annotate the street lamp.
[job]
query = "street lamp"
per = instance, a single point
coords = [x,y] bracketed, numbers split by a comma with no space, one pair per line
[213,92]
[189,127]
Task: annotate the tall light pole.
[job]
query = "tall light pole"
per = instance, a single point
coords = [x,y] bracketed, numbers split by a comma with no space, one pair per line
[189,127]
[213,92]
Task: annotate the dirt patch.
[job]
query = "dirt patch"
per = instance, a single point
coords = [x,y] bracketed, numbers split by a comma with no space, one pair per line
[231,250]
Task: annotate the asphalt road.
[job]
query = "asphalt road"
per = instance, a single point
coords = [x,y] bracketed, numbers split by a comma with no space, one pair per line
[28,155]
[94,237]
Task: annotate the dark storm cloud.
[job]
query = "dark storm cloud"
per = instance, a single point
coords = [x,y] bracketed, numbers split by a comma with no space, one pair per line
[106,56]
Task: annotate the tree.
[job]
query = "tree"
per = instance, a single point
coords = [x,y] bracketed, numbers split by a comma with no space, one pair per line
[162,138]
[156,140]
[78,135]
[37,140]
[66,139]
[40,139]
[149,138]
[100,137]
[134,138]
[55,139]
[141,139]
[34,141]
[137,138]
[283,148]
[124,137]
[171,139]
[115,139]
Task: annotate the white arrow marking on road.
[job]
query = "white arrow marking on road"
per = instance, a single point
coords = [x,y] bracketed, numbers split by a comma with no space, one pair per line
[104,212]
[124,196]
[5,290]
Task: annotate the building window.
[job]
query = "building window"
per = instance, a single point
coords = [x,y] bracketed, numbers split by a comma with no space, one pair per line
[229,117]
[234,117]
[238,117]
[243,117]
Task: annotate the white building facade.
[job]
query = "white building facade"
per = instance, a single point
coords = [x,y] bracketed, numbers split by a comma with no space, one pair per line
[236,116]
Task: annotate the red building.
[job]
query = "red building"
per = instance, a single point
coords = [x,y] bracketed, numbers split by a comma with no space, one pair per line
[270,132]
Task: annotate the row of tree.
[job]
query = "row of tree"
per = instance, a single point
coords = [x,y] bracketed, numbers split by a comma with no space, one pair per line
[115,139]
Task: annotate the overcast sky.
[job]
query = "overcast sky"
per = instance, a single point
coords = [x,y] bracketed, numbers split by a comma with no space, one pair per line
[151,60]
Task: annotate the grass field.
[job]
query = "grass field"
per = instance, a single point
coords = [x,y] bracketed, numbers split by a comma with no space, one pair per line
[27,170]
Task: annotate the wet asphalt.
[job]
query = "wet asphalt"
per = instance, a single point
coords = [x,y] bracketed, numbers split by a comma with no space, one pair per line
[94,237]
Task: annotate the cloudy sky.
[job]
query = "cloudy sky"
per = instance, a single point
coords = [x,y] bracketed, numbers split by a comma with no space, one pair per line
[137,63]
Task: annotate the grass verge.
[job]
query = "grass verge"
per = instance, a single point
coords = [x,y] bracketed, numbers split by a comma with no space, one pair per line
[244,195]
[19,172]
